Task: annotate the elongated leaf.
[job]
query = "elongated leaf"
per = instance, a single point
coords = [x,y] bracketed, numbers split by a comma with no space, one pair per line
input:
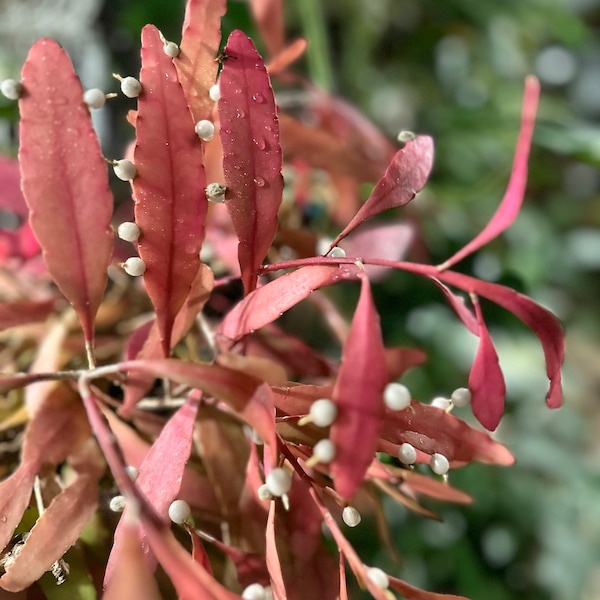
[459,306]
[161,485]
[410,592]
[15,493]
[252,157]
[21,312]
[541,321]
[269,302]
[268,15]
[486,380]
[288,55]
[406,175]
[170,205]
[510,206]
[272,557]
[358,393]
[64,180]
[196,64]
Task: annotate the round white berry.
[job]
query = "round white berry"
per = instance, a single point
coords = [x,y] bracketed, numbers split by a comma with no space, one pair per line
[171,49]
[124,169]
[94,98]
[407,454]
[132,472]
[337,252]
[179,511]
[396,396]
[254,591]
[279,481]
[351,516]
[131,87]
[214,93]
[323,412]
[324,451]
[439,464]
[263,492]
[440,402]
[11,89]
[117,504]
[134,266]
[215,192]
[405,136]
[128,231]
[205,130]
[461,397]
[378,577]
[268,593]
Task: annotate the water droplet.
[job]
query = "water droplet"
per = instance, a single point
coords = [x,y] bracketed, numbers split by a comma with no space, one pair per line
[237,91]
[260,142]
[3,518]
[268,128]
[260,181]
[258,97]
[240,113]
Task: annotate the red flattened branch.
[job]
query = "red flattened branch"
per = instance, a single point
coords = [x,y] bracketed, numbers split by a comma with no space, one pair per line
[170,203]
[65,180]
[252,158]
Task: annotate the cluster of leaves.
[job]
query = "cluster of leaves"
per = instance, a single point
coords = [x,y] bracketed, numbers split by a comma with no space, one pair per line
[259,379]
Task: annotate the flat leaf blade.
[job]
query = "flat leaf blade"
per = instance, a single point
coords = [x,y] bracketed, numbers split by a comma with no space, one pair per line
[64,180]
[252,158]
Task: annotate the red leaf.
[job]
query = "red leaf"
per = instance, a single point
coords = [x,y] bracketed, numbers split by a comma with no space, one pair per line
[248,396]
[11,197]
[21,312]
[288,55]
[268,15]
[486,380]
[170,205]
[198,552]
[358,392]
[398,360]
[541,321]
[196,64]
[459,306]
[272,558]
[64,180]
[269,302]
[160,478]
[406,175]
[15,493]
[510,206]
[412,593]
[251,153]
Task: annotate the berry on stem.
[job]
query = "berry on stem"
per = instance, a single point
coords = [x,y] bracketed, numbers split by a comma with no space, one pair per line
[461,397]
[322,413]
[205,130]
[407,454]
[179,511]
[128,231]
[124,169]
[11,89]
[134,266]
[351,516]
[396,396]
[278,481]
[439,464]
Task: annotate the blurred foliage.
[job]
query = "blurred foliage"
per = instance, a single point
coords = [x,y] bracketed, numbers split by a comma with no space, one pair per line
[455,69]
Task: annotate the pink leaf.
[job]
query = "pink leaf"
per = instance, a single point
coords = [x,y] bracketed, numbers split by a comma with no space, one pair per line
[459,306]
[11,197]
[399,360]
[199,553]
[22,312]
[486,380]
[196,64]
[277,584]
[15,493]
[510,206]
[170,205]
[269,302]
[268,15]
[541,321]
[412,593]
[406,175]
[252,158]
[64,180]
[288,55]
[248,396]
[158,479]
[358,392]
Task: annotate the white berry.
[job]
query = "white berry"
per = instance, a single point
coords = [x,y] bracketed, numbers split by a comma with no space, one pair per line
[407,454]
[323,412]
[378,577]
[132,472]
[134,266]
[117,504]
[124,169]
[215,192]
[441,402]
[254,591]
[461,397]
[396,396]
[131,87]
[128,231]
[351,516]
[171,49]
[263,492]
[11,89]
[214,93]
[439,464]
[94,98]
[279,481]
[406,136]
[205,130]
[324,451]
[179,511]
[268,593]
[337,252]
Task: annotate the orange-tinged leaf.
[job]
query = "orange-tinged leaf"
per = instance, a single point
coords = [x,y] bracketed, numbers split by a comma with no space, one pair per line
[252,158]
[170,203]
[277,584]
[64,180]
[358,393]
[268,15]
[412,593]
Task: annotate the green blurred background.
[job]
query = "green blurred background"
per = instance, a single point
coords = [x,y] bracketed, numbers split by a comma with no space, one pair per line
[453,69]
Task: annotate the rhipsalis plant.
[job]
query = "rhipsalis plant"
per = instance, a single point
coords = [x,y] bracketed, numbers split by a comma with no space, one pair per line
[218,422]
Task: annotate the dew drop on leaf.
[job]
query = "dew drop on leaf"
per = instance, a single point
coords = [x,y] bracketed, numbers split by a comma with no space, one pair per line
[260,181]
[258,97]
